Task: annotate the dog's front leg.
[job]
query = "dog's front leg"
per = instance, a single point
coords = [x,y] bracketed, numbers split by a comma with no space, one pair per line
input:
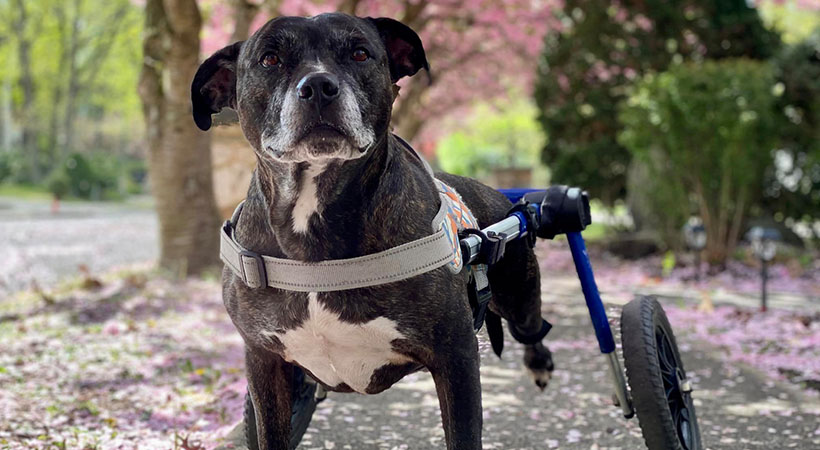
[270,381]
[458,385]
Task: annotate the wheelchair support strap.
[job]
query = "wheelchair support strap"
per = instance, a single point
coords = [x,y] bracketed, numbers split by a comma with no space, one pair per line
[531,338]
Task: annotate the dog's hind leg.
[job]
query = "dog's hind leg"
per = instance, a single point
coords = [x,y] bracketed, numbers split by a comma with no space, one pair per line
[516,285]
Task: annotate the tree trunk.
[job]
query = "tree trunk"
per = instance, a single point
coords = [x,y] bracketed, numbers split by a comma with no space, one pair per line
[73,83]
[28,144]
[82,72]
[244,13]
[408,118]
[179,158]
[348,7]
[737,223]
[54,142]
[4,119]
[410,126]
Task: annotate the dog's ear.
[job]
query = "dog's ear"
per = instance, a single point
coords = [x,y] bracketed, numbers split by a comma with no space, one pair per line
[214,85]
[404,50]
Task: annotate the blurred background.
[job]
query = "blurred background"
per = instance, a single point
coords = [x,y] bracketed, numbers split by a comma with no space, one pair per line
[672,114]
[662,110]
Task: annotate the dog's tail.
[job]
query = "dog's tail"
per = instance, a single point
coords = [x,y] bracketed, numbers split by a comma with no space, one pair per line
[495,331]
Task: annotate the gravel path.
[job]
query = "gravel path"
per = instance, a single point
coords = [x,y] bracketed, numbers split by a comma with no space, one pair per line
[43,248]
[738,407]
[144,362]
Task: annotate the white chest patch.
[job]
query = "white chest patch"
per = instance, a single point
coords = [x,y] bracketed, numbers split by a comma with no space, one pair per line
[307,203]
[341,352]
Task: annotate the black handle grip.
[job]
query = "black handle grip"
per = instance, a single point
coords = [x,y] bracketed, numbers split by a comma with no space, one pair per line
[564,209]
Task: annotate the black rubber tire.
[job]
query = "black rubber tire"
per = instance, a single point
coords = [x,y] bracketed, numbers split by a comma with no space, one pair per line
[304,404]
[645,329]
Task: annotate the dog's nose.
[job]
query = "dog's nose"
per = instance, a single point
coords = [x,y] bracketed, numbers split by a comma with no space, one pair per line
[319,87]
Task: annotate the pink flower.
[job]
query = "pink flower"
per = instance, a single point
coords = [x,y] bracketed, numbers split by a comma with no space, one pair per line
[113,328]
[643,22]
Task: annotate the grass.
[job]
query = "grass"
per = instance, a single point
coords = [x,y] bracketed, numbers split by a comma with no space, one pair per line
[596,232]
[25,192]
[40,193]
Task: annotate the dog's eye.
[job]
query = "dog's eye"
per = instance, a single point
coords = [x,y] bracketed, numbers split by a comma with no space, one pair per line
[269,60]
[359,55]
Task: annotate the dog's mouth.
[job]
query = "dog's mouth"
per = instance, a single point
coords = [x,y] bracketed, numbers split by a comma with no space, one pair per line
[319,141]
[322,132]
[326,140]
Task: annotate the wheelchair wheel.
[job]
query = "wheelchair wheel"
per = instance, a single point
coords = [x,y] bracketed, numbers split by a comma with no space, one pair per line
[304,404]
[660,391]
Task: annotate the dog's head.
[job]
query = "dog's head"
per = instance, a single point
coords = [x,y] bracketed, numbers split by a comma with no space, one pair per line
[309,89]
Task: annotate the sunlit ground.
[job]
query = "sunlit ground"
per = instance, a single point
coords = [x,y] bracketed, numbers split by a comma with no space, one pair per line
[133,358]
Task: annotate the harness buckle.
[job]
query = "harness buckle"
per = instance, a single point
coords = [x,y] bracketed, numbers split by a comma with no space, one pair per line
[258,265]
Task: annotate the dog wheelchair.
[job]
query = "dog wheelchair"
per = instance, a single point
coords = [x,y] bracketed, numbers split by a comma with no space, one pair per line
[660,393]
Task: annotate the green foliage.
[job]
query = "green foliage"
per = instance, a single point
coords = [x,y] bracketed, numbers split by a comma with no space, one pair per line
[587,67]
[658,205]
[6,166]
[668,263]
[86,180]
[708,130]
[793,180]
[96,176]
[793,21]
[14,166]
[22,191]
[491,139]
[58,183]
[85,57]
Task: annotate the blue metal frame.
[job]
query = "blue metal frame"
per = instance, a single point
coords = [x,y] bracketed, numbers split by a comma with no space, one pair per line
[584,268]
[597,313]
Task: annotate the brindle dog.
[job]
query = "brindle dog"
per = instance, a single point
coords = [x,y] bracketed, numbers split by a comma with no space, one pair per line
[314,98]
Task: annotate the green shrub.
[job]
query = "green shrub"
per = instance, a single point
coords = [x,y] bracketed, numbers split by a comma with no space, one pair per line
[5,165]
[793,182]
[135,174]
[588,64]
[58,183]
[97,176]
[15,167]
[706,130]
[657,206]
[82,177]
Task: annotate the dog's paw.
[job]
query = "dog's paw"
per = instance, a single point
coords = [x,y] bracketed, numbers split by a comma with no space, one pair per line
[538,361]
[541,378]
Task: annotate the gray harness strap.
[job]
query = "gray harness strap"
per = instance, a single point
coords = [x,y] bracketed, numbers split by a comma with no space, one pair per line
[394,264]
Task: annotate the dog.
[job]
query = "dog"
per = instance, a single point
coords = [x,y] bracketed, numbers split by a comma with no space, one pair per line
[314,99]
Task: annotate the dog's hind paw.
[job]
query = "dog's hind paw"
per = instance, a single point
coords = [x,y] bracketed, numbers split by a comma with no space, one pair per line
[540,377]
[538,361]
